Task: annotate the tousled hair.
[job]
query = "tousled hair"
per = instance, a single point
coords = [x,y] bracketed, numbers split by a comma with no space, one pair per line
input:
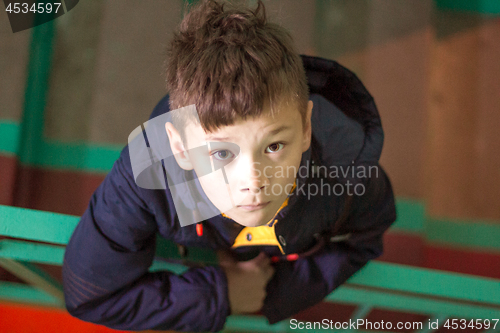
[232,63]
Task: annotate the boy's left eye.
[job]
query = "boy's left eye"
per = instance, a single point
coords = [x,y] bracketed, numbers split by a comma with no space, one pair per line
[275,147]
[222,155]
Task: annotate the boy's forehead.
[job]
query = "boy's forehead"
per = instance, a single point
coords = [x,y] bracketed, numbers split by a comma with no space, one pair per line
[267,123]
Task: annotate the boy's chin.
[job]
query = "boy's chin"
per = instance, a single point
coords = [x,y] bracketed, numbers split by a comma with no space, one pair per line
[251,221]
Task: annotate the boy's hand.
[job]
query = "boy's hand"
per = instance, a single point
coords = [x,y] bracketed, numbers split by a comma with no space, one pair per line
[246,281]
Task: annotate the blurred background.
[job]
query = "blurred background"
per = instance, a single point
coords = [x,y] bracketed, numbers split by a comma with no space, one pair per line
[73,89]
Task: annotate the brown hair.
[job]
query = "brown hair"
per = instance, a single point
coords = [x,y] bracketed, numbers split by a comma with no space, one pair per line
[231,62]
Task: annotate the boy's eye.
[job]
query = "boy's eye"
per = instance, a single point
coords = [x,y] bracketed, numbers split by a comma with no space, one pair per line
[222,155]
[275,147]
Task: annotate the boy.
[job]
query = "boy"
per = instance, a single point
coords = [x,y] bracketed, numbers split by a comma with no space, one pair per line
[290,154]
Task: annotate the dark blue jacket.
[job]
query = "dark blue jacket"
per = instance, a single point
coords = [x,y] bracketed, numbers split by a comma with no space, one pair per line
[105,270]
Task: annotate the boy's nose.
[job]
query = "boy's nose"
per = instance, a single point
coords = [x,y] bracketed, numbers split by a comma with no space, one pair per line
[254,183]
[253,189]
[253,179]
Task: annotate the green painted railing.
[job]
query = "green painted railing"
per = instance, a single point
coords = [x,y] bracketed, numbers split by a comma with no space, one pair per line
[483,7]
[39,237]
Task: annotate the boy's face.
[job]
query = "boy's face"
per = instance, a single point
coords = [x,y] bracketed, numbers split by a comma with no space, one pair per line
[257,160]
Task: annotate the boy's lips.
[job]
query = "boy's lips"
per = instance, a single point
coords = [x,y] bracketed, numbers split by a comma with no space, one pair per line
[253,207]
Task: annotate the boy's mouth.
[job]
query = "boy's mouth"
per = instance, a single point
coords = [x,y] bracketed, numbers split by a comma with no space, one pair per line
[253,206]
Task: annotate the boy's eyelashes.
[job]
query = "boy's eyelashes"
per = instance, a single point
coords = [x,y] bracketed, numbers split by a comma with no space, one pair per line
[222,155]
[275,147]
[225,154]
[223,151]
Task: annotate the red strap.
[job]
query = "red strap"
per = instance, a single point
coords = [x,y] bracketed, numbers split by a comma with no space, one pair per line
[199,229]
[288,257]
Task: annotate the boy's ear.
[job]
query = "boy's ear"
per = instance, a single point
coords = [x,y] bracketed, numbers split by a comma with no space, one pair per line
[177,146]
[307,130]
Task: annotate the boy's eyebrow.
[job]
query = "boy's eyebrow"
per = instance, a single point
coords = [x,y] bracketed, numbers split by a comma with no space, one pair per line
[279,129]
[273,132]
[215,138]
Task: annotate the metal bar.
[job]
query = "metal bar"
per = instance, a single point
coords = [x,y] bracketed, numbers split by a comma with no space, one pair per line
[484,7]
[9,137]
[37,86]
[34,276]
[238,323]
[53,154]
[423,305]
[78,156]
[54,254]
[481,235]
[22,293]
[410,216]
[32,252]
[159,265]
[254,324]
[36,225]
[428,282]
[361,312]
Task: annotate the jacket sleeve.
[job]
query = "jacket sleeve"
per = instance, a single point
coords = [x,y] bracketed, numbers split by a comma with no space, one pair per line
[105,270]
[305,282]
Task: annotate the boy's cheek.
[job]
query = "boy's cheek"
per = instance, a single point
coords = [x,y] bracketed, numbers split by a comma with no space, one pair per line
[219,193]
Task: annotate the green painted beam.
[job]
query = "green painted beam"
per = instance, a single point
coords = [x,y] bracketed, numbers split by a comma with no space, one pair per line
[9,137]
[361,312]
[166,249]
[54,255]
[78,156]
[436,287]
[34,276]
[395,278]
[485,7]
[400,302]
[253,324]
[406,288]
[57,155]
[483,235]
[428,282]
[57,228]
[22,293]
[32,252]
[159,265]
[36,225]
[37,85]
[240,323]
[410,216]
